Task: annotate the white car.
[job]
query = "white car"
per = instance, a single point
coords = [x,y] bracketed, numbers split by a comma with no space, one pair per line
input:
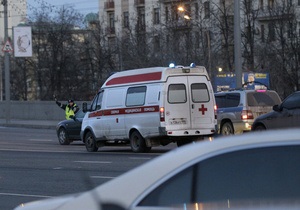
[259,169]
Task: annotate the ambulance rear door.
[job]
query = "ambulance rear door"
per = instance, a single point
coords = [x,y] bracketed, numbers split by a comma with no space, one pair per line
[189,104]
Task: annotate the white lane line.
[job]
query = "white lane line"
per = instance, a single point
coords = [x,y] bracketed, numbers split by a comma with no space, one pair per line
[139,158]
[98,162]
[42,140]
[26,195]
[102,177]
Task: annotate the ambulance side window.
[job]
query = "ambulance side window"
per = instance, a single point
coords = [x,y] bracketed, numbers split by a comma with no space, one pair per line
[136,96]
[199,92]
[177,93]
[97,101]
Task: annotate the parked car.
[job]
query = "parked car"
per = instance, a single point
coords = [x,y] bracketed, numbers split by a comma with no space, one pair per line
[237,109]
[69,130]
[284,115]
[256,168]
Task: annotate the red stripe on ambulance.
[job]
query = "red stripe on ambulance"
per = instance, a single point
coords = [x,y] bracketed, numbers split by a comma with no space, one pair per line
[135,110]
[135,78]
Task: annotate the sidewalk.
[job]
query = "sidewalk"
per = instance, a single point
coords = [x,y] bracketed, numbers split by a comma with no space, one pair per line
[45,124]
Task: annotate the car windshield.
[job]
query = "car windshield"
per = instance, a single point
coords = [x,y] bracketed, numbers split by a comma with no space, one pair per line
[263,99]
[80,114]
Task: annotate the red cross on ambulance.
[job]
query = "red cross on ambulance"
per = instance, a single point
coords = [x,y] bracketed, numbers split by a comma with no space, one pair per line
[202,109]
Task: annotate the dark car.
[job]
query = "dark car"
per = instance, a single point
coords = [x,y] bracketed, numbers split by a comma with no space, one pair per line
[284,115]
[69,130]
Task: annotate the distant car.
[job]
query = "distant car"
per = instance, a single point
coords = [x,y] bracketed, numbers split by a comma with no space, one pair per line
[249,169]
[284,115]
[237,109]
[69,130]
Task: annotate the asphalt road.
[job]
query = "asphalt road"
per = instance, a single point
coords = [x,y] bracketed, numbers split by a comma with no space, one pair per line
[34,166]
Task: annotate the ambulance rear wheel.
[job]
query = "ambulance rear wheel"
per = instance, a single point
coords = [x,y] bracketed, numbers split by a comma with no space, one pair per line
[138,143]
[90,143]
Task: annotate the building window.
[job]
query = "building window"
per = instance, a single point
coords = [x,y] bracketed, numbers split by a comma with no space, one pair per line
[126,19]
[290,30]
[156,18]
[298,2]
[206,9]
[141,18]
[271,4]
[167,13]
[271,35]
[196,11]
[111,20]
[156,44]
[262,29]
[261,5]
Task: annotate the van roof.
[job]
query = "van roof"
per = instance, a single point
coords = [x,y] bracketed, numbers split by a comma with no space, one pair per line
[150,75]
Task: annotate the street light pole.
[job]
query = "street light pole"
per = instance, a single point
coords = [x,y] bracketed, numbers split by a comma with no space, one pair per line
[6,66]
[237,44]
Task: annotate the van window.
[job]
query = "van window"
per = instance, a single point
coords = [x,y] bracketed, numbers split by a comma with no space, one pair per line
[262,99]
[136,96]
[221,101]
[115,97]
[199,92]
[96,104]
[232,99]
[177,93]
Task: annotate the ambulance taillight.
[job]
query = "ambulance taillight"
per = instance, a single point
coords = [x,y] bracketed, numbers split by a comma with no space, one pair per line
[162,114]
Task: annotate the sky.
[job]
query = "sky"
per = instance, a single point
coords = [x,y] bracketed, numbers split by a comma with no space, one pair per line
[82,6]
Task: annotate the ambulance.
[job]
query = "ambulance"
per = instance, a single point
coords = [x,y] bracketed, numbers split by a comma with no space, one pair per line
[151,107]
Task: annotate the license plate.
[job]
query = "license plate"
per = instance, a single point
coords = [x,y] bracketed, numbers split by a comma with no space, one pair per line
[177,121]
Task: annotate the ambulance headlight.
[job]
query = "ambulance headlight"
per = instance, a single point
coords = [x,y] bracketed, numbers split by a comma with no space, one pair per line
[172,65]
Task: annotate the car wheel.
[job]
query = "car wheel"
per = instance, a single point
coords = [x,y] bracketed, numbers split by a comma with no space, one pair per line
[90,143]
[138,143]
[259,128]
[227,129]
[63,137]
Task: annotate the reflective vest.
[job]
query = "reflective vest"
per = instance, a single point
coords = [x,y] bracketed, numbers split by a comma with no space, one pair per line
[69,112]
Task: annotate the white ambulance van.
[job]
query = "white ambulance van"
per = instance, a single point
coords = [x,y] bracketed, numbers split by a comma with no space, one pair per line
[151,107]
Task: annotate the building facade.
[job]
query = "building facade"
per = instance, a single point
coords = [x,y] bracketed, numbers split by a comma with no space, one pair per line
[202,31]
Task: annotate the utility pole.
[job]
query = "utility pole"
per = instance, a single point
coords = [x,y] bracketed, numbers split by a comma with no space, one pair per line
[6,66]
[237,44]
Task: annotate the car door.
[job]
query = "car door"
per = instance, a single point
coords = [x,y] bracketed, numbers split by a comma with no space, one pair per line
[96,115]
[290,111]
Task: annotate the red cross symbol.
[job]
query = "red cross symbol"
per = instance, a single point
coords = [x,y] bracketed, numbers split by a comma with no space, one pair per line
[202,109]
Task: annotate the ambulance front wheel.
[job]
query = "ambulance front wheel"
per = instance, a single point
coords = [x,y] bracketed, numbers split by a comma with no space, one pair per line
[90,143]
[138,143]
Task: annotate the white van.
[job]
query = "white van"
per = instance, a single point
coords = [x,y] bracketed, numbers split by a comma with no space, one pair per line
[151,107]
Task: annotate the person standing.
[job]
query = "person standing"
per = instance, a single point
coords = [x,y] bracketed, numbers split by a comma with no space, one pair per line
[70,108]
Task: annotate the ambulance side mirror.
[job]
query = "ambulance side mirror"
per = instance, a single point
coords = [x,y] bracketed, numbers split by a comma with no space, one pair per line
[84,107]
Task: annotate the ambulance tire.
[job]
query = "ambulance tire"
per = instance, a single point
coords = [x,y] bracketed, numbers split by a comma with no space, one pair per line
[90,143]
[138,143]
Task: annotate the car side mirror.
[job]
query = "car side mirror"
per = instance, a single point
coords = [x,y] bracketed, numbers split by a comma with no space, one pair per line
[84,107]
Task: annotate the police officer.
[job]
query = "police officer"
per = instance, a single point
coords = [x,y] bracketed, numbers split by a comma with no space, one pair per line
[70,109]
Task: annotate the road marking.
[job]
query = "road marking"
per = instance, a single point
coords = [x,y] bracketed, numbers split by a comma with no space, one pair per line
[26,195]
[106,162]
[139,158]
[102,177]
[40,140]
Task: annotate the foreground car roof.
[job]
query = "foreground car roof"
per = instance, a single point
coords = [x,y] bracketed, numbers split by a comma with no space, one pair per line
[128,189]
[151,174]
